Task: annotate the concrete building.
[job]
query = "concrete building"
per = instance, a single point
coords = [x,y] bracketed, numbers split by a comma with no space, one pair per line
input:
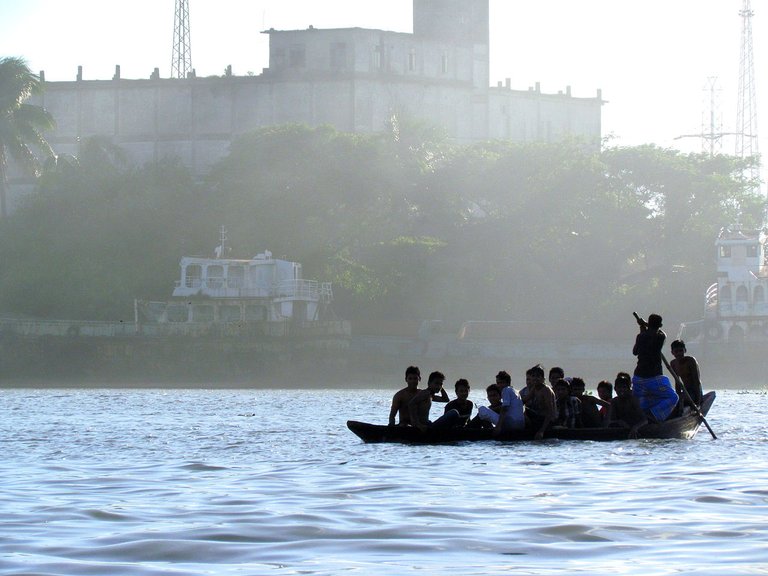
[352,78]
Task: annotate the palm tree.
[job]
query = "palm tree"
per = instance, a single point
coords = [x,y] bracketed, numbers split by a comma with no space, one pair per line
[21,125]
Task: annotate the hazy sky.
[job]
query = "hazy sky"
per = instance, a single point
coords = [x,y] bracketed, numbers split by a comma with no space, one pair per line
[652,58]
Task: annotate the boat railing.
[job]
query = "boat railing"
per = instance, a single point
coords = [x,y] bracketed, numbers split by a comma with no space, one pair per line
[298,289]
[20,327]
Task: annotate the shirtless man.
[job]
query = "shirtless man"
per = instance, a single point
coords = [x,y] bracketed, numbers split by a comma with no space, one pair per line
[540,408]
[687,369]
[402,397]
[421,403]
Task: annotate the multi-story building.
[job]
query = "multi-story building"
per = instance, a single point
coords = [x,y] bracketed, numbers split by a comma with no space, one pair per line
[355,79]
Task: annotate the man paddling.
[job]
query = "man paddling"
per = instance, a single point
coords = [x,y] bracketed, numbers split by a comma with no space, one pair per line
[687,369]
[654,391]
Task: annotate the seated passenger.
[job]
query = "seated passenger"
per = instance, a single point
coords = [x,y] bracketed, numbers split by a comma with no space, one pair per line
[525,393]
[484,419]
[540,406]
[555,373]
[590,406]
[625,410]
[441,395]
[605,392]
[462,404]
[421,403]
[568,407]
[511,415]
[402,397]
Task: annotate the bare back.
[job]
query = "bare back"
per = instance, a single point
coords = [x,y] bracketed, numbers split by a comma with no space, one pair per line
[687,370]
[400,406]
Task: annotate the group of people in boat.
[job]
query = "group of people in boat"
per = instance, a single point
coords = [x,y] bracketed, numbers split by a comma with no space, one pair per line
[647,396]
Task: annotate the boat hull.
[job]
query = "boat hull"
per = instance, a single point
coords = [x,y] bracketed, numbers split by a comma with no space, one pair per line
[684,428]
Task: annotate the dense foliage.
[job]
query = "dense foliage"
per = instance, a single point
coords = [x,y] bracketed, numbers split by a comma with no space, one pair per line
[403,224]
[21,124]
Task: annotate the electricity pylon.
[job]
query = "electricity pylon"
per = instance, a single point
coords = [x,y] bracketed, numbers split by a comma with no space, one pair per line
[181,61]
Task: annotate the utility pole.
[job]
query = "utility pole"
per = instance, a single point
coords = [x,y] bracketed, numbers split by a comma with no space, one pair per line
[711,134]
[746,117]
[181,60]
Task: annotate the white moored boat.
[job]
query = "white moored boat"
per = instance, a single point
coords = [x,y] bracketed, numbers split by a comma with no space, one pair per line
[259,291]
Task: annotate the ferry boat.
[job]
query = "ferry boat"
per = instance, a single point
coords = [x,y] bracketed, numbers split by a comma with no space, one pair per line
[736,306]
[261,292]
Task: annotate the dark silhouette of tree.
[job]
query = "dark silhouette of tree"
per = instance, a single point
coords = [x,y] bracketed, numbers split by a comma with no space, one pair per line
[21,125]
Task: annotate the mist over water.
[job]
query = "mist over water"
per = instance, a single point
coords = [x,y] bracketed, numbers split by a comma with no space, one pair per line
[270,481]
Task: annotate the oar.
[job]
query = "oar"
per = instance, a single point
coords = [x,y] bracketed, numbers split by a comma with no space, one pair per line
[687,395]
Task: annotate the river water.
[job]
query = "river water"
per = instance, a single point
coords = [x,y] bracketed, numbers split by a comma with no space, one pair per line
[251,482]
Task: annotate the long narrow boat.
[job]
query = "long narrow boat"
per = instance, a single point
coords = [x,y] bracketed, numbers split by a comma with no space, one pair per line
[682,427]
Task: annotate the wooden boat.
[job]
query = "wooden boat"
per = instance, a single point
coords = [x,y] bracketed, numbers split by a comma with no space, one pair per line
[682,427]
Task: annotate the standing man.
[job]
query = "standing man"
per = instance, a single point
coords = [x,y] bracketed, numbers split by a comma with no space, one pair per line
[649,385]
[687,369]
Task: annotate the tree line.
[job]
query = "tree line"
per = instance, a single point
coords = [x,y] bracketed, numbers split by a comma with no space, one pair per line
[405,224]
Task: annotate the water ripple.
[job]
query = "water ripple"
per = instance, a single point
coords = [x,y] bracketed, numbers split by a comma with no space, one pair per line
[193,482]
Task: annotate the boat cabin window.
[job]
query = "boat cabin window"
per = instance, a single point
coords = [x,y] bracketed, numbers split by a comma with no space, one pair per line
[177,313]
[235,277]
[255,313]
[215,276]
[202,313]
[725,251]
[752,251]
[193,276]
[229,313]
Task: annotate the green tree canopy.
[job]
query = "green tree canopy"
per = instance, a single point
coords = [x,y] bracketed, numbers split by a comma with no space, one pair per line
[21,125]
[403,224]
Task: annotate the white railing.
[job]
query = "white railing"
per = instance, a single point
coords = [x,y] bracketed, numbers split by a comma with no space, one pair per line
[24,327]
[298,289]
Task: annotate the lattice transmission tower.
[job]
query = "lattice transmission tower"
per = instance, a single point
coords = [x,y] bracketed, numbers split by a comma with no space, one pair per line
[746,117]
[711,134]
[181,61]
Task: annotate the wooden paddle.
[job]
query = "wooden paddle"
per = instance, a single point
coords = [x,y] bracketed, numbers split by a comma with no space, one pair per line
[687,395]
